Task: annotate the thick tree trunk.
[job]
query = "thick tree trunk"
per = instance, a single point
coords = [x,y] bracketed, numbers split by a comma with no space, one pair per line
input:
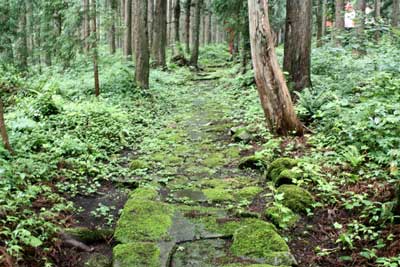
[94,49]
[128,29]
[3,130]
[272,88]
[297,59]
[188,5]
[111,32]
[86,24]
[22,44]
[177,17]
[360,30]
[142,45]
[320,14]
[395,13]
[160,33]
[339,20]
[196,33]
[208,24]
[150,21]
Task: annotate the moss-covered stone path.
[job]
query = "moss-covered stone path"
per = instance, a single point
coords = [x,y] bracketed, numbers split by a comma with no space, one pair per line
[194,205]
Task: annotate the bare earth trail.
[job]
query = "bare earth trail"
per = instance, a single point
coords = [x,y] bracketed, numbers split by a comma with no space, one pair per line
[194,206]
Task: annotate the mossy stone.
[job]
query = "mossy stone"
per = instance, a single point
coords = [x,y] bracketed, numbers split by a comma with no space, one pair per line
[287,177]
[296,198]
[241,135]
[98,260]
[218,194]
[138,164]
[138,254]
[255,162]
[278,166]
[260,240]
[144,193]
[214,160]
[248,193]
[143,220]
[282,216]
[87,235]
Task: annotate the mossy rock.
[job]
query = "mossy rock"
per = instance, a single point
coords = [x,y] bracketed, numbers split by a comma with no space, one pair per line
[138,254]
[98,260]
[255,162]
[218,194]
[138,164]
[214,160]
[143,220]
[296,198]
[287,177]
[260,240]
[144,194]
[278,166]
[89,236]
[248,193]
[232,152]
[241,135]
[282,216]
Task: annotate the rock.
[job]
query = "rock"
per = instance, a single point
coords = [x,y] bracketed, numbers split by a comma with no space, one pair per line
[277,167]
[260,240]
[98,260]
[89,236]
[287,177]
[282,216]
[296,198]
[241,135]
[136,254]
[256,162]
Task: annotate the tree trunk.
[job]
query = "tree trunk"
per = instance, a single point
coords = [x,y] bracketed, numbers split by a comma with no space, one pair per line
[271,85]
[319,22]
[377,19]
[160,33]
[142,45]
[111,32]
[339,20]
[297,59]
[177,17]
[360,31]
[324,12]
[128,29]
[209,21]
[196,33]
[86,24]
[94,49]
[150,21]
[3,130]
[187,24]
[395,13]
[22,45]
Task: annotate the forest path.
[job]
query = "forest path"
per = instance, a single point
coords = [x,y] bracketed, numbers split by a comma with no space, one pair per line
[193,197]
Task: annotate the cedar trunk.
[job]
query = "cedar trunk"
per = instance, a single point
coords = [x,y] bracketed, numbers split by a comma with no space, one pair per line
[94,50]
[3,130]
[187,24]
[196,33]
[128,29]
[160,33]
[297,60]
[142,45]
[395,13]
[271,85]
[339,19]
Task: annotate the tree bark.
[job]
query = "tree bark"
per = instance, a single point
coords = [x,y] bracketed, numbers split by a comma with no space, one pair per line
[297,58]
[360,30]
[320,21]
[209,21]
[150,21]
[196,33]
[273,91]
[160,33]
[128,29]
[377,19]
[339,20]
[111,32]
[187,24]
[142,70]
[395,13]
[177,17]
[3,130]
[22,44]
[94,49]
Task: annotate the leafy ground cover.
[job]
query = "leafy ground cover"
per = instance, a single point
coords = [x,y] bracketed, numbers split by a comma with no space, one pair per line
[193,155]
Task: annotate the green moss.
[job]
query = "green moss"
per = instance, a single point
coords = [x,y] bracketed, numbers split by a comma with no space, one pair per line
[248,193]
[287,177]
[138,164]
[217,183]
[278,166]
[255,162]
[136,255]
[214,160]
[143,220]
[166,158]
[282,216]
[232,152]
[296,198]
[144,194]
[87,235]
[218,194]
[242,135]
